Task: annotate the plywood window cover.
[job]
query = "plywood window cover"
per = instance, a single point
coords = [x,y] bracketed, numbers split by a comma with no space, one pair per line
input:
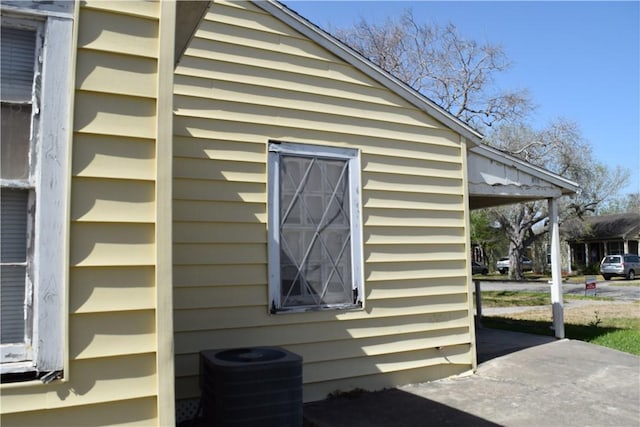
[342,268]
[42,351]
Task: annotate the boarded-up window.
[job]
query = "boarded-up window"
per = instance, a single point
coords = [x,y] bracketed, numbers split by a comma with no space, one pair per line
[315,250]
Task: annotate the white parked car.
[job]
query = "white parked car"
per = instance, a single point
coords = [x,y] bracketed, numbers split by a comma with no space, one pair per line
[503,265]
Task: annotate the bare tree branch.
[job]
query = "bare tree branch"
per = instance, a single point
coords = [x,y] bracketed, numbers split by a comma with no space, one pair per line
[456,73]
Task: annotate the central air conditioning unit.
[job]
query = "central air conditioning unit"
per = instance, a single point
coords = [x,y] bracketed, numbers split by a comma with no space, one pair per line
[259,386]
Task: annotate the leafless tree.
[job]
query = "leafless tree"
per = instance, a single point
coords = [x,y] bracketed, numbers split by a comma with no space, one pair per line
[460,75]
[629,203]
[560,148]
[456,73]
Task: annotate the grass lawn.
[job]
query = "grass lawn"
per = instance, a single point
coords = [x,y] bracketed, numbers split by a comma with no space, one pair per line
[611,325]
[520,299]
[576,280]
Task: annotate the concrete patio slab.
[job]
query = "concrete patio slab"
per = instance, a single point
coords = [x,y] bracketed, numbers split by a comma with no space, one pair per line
[536,382]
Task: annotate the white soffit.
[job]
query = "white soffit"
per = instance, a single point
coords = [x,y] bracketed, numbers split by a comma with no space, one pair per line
[496,178]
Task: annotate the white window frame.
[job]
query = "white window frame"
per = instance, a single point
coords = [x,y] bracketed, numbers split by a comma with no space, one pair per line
[46,299]
[352,156]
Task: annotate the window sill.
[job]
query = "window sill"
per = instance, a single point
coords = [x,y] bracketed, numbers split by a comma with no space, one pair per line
[29,378]
[333,307]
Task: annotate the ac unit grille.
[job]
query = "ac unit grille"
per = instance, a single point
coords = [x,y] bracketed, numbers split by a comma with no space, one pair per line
[248,387]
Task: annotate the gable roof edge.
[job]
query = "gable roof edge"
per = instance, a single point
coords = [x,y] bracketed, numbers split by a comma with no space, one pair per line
[367,67]
[566,185]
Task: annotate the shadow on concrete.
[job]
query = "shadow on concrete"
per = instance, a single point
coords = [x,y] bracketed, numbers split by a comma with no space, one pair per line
[492,343]
[386,408]
[395,407]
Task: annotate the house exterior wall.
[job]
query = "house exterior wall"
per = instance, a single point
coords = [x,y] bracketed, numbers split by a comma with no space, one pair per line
[595,237]
[586,254]
[117,361]
[247,78]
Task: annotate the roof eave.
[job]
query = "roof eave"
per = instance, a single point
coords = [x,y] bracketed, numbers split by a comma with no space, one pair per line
[566,186]
[189,15]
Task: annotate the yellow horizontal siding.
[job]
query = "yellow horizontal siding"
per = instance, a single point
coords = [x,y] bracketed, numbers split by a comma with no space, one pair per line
[431,149]
[108,156]
[227,52]
[284,42]
[114,73]
[288,334]
[197,72]
[109,114]
[102,244]
[126,413]
[106,289]
[112,334]
[146,9]
[101,380]
[197,98]
[415,269]
[214,275]
[202,189]
[427,201]
[219,296]
[233,95]
[369,141]
[117,32]
[440,163]
[198,232]
[353,367]
[353,348]
[413,235]
[247,15]
[113,200]
[298,118]
[224,253]
[419,252]
[410,184]
[205,211]
[257,316]
[412,218]
[220,170]
[414,287]
[216,149]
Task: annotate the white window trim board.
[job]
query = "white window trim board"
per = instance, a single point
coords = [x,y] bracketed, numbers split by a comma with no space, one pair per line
[52,223]
[273,178]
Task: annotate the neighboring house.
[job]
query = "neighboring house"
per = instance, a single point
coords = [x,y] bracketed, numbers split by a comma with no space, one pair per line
[273,188]
[596,236]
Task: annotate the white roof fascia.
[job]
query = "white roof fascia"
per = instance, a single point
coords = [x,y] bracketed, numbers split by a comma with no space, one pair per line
[566,185]
[367,67]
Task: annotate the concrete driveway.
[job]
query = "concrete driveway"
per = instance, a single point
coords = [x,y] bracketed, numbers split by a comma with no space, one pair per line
[540,382]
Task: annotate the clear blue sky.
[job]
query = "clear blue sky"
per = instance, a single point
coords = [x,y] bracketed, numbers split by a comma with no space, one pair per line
[579,60]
